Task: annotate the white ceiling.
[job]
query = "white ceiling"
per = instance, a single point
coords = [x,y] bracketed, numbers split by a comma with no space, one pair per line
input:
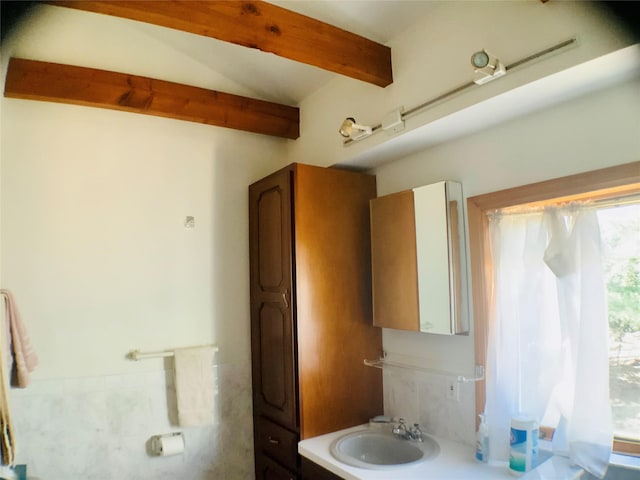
[266,76]
[277,79]
[242,71]
[261,75]
[377,20]
[270,77]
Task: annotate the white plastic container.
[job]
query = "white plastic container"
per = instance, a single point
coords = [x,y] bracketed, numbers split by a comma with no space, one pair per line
[482,441]
[524,445]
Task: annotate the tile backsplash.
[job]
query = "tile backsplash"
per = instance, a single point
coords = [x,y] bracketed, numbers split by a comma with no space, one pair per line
[421,397]
[98,428]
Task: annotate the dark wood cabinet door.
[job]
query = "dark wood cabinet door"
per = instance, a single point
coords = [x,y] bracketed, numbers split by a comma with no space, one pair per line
[272,332]
[267,469]
[313,471]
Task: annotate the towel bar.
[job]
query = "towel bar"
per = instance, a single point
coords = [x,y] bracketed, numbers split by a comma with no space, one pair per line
[382,363]
[137,355]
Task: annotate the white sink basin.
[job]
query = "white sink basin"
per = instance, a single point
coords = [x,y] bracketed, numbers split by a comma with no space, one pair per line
[378,450]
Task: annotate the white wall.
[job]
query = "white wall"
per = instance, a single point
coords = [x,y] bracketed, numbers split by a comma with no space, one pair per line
[95,251]
[93,241]
[93,205]
[93,246]
[591,132]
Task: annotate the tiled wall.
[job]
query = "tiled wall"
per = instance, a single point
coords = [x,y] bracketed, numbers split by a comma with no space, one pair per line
[98,428]
[421,397]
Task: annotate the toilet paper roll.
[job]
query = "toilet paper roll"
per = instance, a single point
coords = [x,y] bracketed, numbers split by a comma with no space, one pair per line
[168,444]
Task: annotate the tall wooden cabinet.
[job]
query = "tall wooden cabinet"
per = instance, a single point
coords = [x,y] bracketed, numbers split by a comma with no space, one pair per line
[311,320]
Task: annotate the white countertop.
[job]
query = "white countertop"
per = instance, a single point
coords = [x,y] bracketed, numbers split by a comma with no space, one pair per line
[454,462]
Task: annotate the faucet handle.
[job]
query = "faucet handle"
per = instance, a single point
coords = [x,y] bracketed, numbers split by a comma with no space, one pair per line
[415,433]
[400,428]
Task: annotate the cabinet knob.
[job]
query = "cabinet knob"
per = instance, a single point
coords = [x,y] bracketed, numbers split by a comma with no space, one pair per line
[285,300]
[273,441]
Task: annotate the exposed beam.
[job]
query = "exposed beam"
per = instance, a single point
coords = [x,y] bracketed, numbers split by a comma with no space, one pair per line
[52,82]
[259,25]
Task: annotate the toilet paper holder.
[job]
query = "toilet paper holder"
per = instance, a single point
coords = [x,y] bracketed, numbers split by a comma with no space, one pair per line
[167,444]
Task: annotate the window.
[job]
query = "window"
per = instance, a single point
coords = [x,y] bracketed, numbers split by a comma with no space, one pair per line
[615,182]
[620,231]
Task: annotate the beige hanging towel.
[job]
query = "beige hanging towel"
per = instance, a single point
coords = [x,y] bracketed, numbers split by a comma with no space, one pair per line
[7,440]
[193,368]
[23,356]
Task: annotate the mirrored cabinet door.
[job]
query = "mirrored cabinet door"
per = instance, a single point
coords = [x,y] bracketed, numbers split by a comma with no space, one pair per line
[419,260]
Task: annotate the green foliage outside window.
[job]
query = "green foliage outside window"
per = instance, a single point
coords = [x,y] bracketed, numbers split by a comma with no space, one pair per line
[620,228]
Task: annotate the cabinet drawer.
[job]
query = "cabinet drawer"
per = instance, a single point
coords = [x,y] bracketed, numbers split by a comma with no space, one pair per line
[277,442]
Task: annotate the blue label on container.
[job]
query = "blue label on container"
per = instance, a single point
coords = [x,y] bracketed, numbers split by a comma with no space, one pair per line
[518,437]
[518,454]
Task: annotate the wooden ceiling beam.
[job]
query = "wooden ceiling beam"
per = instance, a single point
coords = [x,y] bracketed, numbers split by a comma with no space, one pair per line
[259,25]
[52,82]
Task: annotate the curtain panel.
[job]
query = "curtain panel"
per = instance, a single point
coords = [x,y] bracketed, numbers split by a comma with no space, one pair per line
[547,355]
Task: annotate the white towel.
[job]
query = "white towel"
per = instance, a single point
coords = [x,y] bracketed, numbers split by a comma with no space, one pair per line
[193,368]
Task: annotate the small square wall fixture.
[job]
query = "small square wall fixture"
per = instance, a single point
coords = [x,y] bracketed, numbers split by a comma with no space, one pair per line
[393,122]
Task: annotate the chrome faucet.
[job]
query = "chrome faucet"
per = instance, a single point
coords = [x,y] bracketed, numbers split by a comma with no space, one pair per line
[412,433]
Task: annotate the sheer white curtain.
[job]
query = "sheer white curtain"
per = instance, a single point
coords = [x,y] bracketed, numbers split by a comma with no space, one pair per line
[547,354]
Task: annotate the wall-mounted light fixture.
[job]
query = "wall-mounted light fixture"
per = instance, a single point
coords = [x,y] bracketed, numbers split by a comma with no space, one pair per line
[486,67]
[351,130]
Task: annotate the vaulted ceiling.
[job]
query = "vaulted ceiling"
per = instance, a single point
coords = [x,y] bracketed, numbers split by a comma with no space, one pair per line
[322,48]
